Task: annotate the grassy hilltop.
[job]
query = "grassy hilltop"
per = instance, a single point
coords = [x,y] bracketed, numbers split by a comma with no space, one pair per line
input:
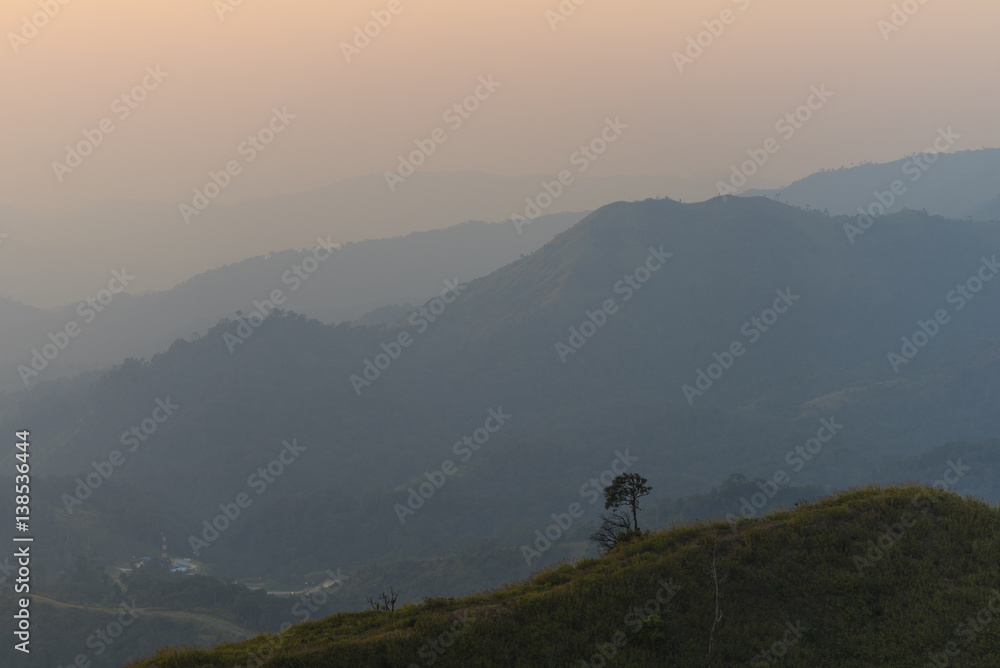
[902,576]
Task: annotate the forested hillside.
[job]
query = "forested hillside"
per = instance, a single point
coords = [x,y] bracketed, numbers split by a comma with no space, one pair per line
[365,437]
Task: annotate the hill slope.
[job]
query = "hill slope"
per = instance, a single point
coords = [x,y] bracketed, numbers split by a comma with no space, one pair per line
[846,582]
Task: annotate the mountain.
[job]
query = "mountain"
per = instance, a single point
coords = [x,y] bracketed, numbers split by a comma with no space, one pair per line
[162,249]
[964,184]
[988,211]
[355,282]
[385,432]
[709,594]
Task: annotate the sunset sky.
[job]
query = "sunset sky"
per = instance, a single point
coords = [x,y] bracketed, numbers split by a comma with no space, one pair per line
[227,71]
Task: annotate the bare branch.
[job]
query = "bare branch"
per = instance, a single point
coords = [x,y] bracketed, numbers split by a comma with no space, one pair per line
[713,572]
[385,602]
[612,526]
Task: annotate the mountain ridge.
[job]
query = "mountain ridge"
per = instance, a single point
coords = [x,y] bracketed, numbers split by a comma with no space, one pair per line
[495,348]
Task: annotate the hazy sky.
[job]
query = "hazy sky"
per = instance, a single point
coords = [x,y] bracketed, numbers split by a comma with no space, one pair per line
[227,71]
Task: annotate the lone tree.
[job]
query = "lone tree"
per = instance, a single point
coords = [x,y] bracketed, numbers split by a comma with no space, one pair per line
[626,490]
[621,497]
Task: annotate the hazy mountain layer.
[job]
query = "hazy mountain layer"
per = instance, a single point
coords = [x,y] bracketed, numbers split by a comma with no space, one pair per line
[162,247]
[959,185]
[332,285]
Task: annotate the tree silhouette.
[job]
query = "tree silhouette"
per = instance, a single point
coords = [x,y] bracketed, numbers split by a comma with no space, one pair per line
[626,490]
[385,602]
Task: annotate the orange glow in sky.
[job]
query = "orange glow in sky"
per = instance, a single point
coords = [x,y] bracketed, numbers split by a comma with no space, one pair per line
[228,64]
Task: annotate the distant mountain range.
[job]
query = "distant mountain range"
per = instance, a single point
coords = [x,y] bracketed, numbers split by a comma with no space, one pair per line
[731,336]
[71,255]
[355,281]
[962,185]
